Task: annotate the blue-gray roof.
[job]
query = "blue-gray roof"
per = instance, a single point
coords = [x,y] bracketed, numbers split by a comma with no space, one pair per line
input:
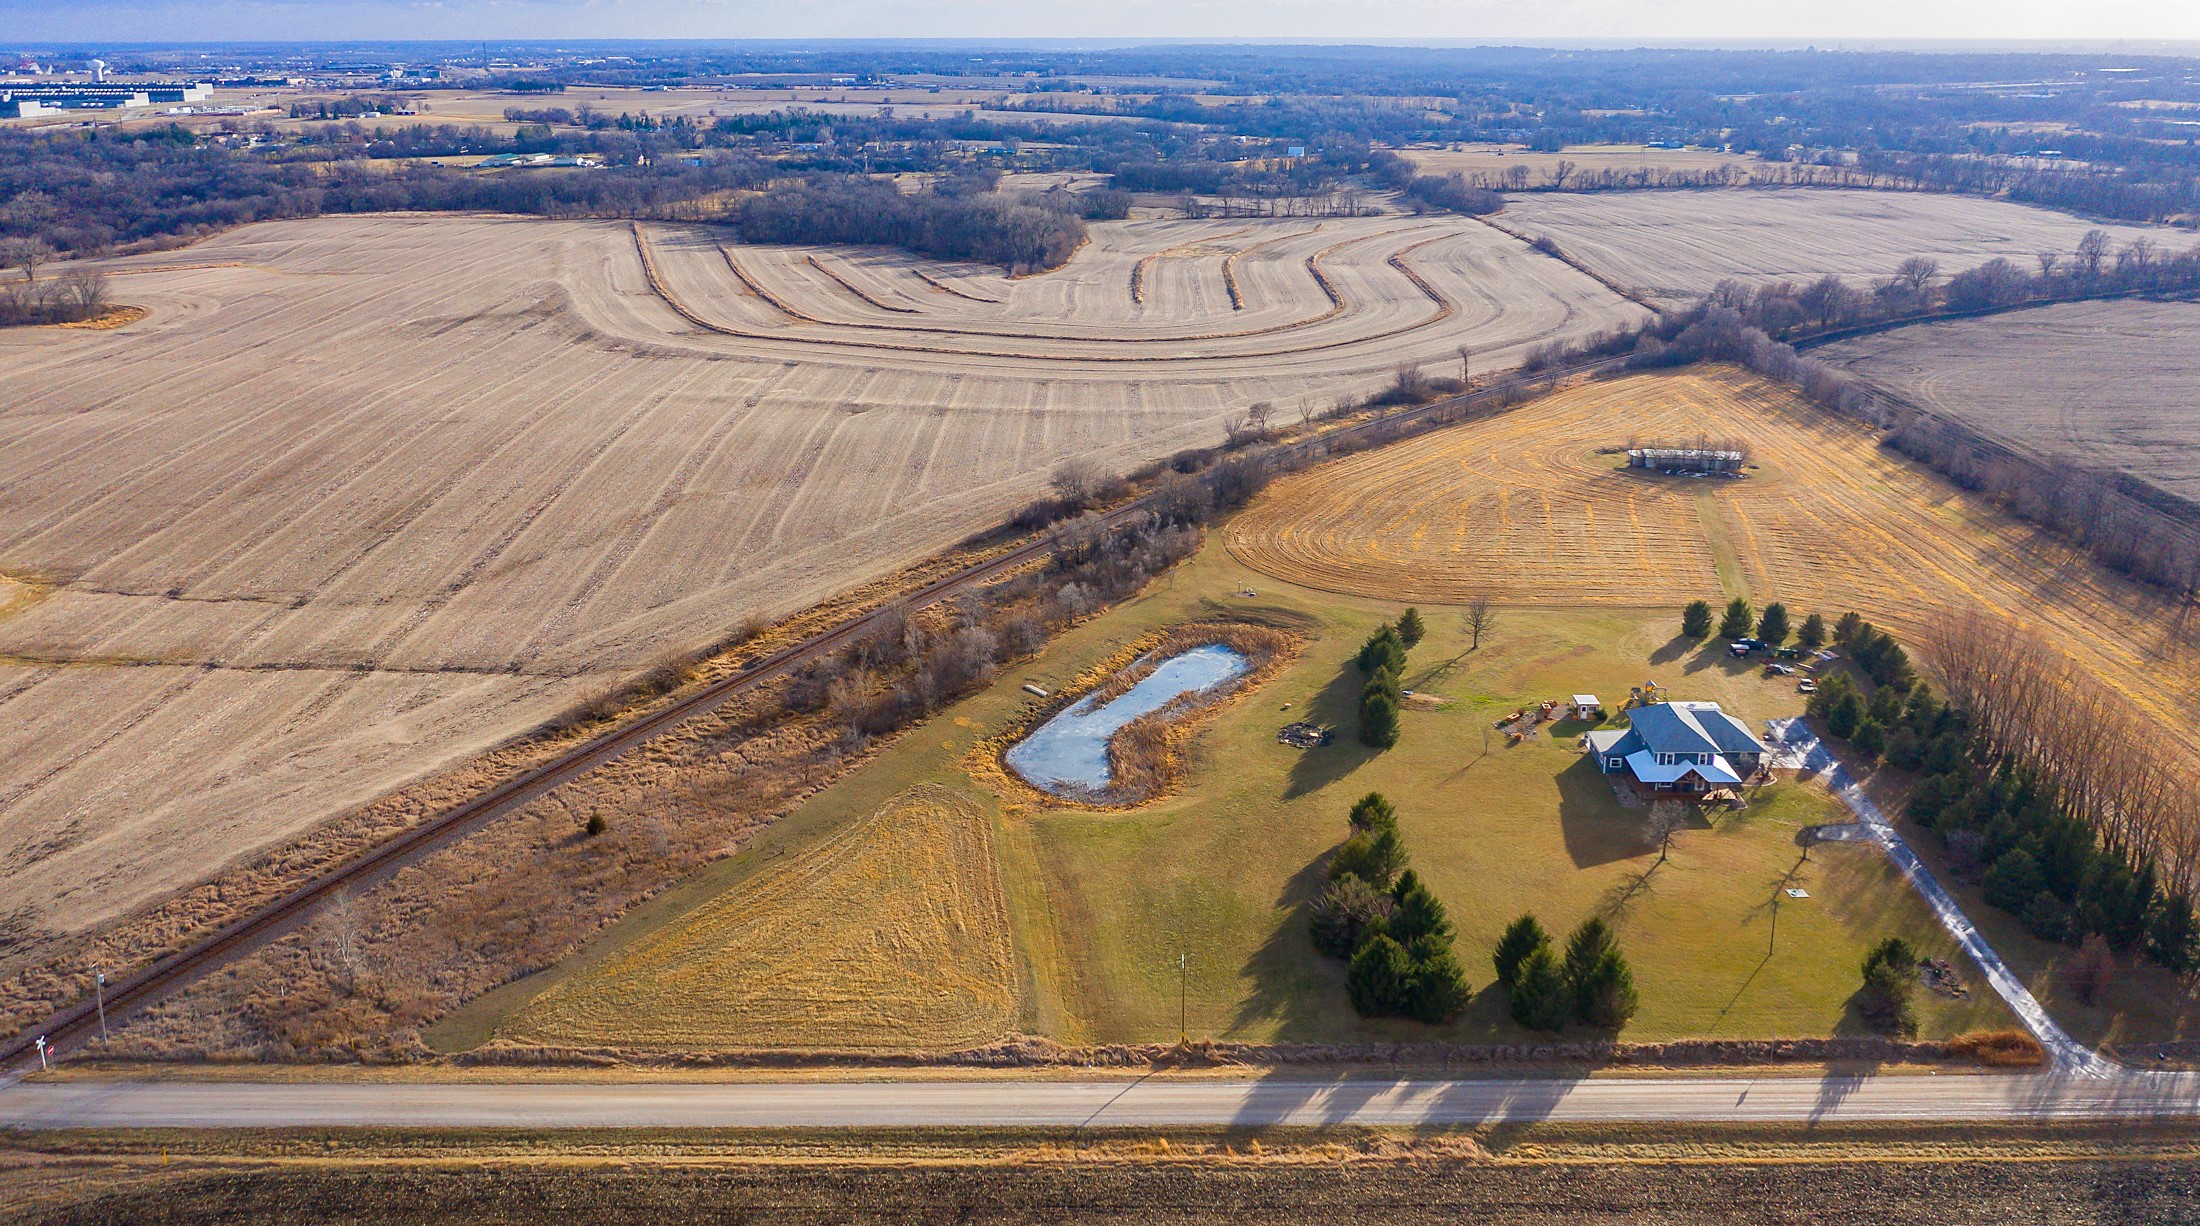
[1686,727]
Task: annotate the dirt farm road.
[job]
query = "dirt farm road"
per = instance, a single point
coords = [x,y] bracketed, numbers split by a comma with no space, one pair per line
[1290,1099]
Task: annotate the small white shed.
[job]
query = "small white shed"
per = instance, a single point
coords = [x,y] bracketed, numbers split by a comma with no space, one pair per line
[1587,706]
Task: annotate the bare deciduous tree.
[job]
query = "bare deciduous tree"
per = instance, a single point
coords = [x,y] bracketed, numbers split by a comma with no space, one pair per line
[1466,364]
[1076,480]
[2092,250]
[1917,272]
[1667,818]
[26,254]
[1481,620]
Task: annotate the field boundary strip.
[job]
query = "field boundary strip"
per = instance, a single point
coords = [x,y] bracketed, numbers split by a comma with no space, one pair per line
[130,993]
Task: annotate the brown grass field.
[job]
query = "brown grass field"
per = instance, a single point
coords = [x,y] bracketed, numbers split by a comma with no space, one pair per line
[895,930]
[2111,384]
[1678,244]
[1528,510]
[363,496]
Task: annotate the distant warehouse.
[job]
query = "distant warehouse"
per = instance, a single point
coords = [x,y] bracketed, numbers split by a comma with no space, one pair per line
[27,100]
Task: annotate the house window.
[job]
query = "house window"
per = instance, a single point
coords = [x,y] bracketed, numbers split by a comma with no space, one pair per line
[1614,763]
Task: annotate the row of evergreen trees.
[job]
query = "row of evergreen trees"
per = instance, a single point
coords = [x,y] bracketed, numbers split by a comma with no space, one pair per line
[1383,659]
[1591,984]
[1998,819]
[1378,913]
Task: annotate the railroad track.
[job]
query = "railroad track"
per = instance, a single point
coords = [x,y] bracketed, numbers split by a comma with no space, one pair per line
[77,1023]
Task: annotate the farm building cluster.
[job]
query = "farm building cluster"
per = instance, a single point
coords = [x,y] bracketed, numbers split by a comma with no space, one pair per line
[1689,461]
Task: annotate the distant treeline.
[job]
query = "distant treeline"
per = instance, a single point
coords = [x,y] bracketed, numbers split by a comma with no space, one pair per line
[89,191]
[958,221]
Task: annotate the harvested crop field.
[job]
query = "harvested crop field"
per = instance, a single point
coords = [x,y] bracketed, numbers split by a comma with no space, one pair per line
[1529,509]
[363,496]
[1679,244]
[891,934]
[1494,160]
[2109,384]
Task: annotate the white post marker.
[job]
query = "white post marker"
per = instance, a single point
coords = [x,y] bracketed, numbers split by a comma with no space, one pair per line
[41,1045]
[99,991]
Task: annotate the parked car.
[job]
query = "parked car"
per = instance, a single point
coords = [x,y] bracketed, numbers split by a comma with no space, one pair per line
[1807,686]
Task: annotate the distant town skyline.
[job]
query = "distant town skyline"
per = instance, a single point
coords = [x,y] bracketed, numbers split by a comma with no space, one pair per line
[1784,21]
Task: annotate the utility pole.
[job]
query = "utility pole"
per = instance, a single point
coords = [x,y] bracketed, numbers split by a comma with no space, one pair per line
[1183,1016]
[99,992]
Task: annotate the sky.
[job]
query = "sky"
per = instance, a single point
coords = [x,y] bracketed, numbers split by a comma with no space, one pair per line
[1848,22]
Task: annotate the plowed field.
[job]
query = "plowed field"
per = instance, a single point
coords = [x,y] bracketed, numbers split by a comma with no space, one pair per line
[1680,244]
[1528,510]
[2113,384]
[363,496]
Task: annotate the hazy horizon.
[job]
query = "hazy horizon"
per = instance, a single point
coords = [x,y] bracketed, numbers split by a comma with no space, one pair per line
[1865,24]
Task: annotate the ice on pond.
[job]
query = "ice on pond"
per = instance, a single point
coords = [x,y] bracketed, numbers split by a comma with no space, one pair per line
[1069,753]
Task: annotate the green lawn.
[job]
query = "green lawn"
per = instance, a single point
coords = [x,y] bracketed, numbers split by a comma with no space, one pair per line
[1102,903]
[1222,872]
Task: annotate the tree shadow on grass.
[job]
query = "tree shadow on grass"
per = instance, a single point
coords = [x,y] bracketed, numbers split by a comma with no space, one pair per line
[1286,970]
[1624,894]
[1679,645]
[1337,707]
[1596,828]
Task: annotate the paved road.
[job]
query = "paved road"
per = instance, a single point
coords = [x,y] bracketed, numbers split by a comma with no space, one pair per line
[1287,1099]
[1800,747]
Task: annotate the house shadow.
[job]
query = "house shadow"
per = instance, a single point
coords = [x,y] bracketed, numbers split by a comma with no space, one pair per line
[1286,972]
[1597,830]
[1337,708]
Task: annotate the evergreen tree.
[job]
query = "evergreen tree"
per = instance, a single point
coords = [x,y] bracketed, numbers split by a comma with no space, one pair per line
[1890,982]
[1374,856]
[1411,629]
[1844,713]
[1383,649]
[1696,619]
[1845,629]
[1439,989]
[1584,949]
[1522,937]
[1869,738]
[2013,880]
[1379,726]
[1372,812]
[1921,711]
[1773,626]
[1541,999]
[1813,634]
[1418,913]
[1380,980]
[2173,939]
[1739,620]
[1606,996]
[1347,914]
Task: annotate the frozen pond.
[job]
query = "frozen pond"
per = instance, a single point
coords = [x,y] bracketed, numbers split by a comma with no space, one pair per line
[1069,753]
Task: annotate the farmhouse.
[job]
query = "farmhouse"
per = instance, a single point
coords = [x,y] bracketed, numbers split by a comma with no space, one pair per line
[1690,747]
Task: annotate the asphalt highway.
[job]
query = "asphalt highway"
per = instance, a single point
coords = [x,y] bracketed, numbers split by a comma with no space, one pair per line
[1158,1101]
